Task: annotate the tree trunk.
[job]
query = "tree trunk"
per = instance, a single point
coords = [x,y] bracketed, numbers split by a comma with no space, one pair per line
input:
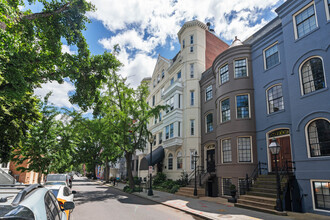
[107,171]
[128,157]
[39,177]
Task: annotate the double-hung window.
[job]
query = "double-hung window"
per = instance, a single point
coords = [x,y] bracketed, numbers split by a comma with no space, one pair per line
[209,123]
[171,130]
[153,100]
[160,137]
[192,69]
[179,75]
[271,56]
[170,161]
[170,104]
[224,74]
[312,75]
[225,110]
[305,21]
[322,194]
[167,132]
[240,68]
[242,106]
[327,8]
[172,81]
[158,78]
[208,93]
[226,150]
[192,98]
[163,74]
[275,99]
[318,133]
[179,160]
[192,127]
[244,149]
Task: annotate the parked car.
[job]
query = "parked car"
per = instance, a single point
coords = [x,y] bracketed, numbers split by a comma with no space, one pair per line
[30,202]
[58,179]
[63,195]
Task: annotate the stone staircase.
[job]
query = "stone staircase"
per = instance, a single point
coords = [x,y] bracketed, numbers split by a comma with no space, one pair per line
[262,195]
[188,191]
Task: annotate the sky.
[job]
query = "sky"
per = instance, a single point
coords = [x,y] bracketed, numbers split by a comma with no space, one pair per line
[145,29]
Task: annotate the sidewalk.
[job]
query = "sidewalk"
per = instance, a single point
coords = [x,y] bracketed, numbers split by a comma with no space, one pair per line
[215,207]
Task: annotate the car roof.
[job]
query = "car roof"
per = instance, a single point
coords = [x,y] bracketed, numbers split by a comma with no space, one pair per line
[36,202]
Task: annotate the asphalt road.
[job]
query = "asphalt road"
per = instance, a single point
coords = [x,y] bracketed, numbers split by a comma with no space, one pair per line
[97,202]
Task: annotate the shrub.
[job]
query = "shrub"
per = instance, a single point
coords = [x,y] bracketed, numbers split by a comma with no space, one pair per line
[159,178]
[175,188]
[127,189]
[137,180]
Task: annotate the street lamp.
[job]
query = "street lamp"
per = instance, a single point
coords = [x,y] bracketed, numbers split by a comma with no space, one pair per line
[274,148]
[151,140]
[195,157]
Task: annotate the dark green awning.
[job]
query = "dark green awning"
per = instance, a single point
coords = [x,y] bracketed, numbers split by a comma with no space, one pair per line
[157,156]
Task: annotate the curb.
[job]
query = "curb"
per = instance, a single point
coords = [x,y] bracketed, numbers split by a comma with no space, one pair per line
[182,210]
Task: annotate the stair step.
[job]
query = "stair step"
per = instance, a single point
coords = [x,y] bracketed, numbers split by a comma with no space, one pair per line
[189,194]
[189,189]
[266,190]
[257,204]
[271,211]
[265,200]
[262,194]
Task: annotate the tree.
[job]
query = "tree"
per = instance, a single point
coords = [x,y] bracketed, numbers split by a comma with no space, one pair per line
[30,54]
[126,115]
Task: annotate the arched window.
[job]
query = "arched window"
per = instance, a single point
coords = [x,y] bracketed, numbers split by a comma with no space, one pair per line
[312,75]
[170,161]
[318,132]
[275,99]
[179,160]
[209,123]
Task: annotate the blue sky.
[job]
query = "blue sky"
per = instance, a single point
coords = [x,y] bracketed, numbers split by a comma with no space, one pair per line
[146,28]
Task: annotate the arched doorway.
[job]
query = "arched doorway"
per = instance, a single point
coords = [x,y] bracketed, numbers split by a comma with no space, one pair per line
[282,137]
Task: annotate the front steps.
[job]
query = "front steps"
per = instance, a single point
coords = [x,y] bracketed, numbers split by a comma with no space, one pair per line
[262,196]
[189,192]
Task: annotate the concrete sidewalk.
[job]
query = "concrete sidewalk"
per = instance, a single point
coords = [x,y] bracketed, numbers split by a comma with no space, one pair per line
[214,207]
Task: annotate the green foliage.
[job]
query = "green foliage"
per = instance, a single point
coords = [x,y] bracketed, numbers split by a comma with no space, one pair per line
[128,189]
[31,54]
[159,179]
[175,188]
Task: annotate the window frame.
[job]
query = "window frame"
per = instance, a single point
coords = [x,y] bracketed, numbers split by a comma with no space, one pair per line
[208,93]
[206,124]
[192,164]
[192,98]
[300,75]
[251,155]
[327,9]
[221,112]
[192,127]
[307,138]
[227,73]
[160,137]
[222,151]
[267,98]
[264,55]
[178,75]
[295,27]
[192,70]
[170,156]
[177,161]
[246,66]
[248,94]
[314,196]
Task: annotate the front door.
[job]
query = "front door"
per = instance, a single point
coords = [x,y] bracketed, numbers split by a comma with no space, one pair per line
[284,154]
[210,160]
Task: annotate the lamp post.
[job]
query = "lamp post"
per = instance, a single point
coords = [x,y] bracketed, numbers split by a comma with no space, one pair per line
[151,140]
[274,148]
[195,156]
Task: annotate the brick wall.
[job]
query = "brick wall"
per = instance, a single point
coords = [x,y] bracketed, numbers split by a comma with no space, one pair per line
[214,46]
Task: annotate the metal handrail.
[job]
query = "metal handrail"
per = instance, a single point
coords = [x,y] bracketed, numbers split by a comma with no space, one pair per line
[257,171]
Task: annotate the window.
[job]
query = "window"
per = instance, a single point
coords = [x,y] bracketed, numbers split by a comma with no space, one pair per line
[163,74]
[240,68]
[226,183]
[170,103]
[158,78]
[171,130]
[160,137]
[226,150]
[305,21]
[179,100]
[312,75]
[192,127]
[192,69]
[137,165]
[224,74]
[167,132]
[242,102]
[170,161]
[327,8]
[208,93]
[244,149]
[162,91]
[191,49]
[322,194]
[179,75]
[225,110]
[191,39]
[154,83]
[153,100]
[179,129]
[160,116]
[192,164]
[179,160]
[155,140]
[318,132]
[183,43]
[275,99]
[192,98]
[52,208]
[172,81]
[209,123]
[155,122]
[271,56]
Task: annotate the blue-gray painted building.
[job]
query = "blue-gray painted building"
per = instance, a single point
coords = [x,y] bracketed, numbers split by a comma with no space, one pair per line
[291,77]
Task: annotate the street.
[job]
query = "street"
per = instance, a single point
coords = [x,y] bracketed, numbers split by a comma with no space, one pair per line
[94,201]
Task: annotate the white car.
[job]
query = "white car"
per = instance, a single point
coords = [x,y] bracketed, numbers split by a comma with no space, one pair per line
[58,179]
[63,194]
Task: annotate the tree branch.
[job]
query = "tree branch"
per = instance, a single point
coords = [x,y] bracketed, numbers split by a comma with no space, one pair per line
[46,14]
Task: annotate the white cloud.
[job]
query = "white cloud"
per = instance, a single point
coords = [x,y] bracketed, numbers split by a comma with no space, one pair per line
[141,26]
[66,49]
[60,96]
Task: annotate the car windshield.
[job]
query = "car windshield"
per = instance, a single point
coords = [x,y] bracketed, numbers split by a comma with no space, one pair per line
[56,178]
[19,212]
[54,183]
[55,192]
